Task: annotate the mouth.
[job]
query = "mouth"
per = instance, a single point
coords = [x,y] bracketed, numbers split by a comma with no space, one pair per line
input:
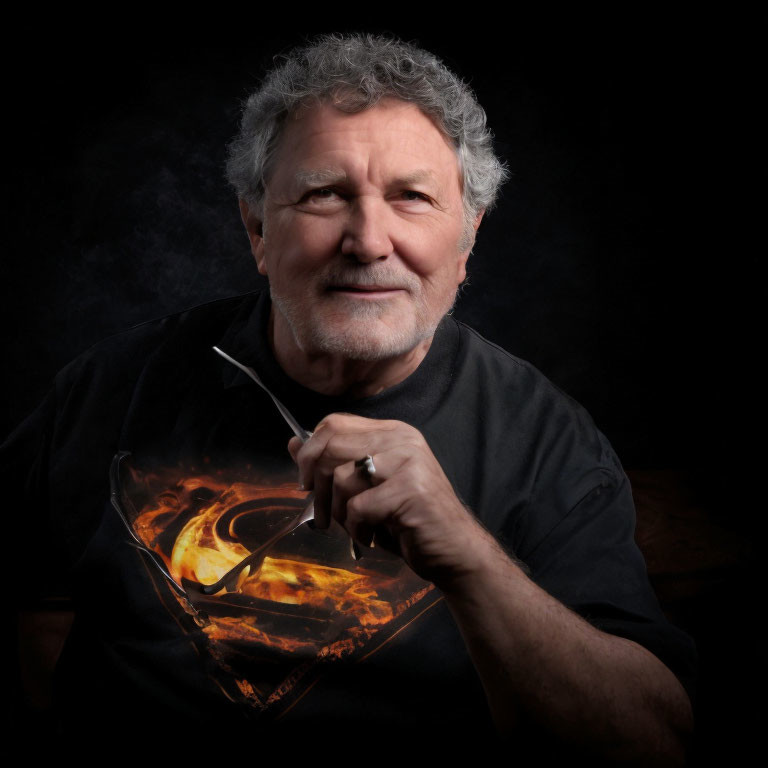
[361,291]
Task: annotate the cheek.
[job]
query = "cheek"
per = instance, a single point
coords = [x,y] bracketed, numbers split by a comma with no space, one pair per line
[301,244]
[433,255]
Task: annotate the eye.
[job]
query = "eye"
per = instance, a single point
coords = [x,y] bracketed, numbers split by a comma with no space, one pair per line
[412,194]
[320,195]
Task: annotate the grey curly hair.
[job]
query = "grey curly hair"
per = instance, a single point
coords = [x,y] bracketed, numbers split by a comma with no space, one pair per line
[355,71]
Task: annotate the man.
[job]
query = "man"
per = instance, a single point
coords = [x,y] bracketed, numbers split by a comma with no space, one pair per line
[363,170]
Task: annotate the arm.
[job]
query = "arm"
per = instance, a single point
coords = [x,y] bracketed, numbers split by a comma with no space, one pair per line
[42,623]
[540,661]
[537,660]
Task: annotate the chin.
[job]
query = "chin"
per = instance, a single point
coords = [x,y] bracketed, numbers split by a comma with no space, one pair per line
[364,331]
[363,340]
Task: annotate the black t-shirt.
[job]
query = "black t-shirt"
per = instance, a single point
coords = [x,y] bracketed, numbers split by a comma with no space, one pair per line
[314,638]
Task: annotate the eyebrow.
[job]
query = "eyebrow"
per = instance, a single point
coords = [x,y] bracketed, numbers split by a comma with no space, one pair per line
[319,177]
[415,177]
[322,176]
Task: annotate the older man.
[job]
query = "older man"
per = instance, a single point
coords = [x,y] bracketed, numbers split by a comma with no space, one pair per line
[499,581]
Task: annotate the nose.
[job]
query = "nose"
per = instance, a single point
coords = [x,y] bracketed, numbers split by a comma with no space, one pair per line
[366,232]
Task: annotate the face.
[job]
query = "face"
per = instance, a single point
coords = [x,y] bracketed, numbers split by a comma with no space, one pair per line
[361,235]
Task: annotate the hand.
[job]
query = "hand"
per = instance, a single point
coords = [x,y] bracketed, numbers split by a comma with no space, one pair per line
[408,503]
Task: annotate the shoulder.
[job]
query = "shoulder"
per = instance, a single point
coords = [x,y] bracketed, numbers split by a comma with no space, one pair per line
[124,354]
[492,364]
[98,385]
[556,452]
[547,435]
[517,390]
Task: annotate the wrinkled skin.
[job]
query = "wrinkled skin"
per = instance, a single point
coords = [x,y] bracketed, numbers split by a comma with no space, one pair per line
[409,503]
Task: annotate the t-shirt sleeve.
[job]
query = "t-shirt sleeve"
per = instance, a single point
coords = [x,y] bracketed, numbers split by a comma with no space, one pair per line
[584,554]
[24,459]
[54,472]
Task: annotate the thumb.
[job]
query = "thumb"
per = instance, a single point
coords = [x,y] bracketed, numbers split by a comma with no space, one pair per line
[294,446]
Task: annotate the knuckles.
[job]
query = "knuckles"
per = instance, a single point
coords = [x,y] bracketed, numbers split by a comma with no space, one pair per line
[337,422]
[326,455]
[353,508]
[348,422]
[339,475]
[335,448]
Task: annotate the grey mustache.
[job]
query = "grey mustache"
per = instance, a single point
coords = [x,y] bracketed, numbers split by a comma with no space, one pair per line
[369,276]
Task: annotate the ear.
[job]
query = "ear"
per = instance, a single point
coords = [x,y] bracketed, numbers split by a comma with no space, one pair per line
[463,257]
[255,229]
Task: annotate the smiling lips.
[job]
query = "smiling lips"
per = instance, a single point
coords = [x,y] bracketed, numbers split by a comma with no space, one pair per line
[367,291]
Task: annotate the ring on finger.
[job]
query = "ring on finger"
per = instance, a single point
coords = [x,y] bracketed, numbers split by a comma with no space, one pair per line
[366,464]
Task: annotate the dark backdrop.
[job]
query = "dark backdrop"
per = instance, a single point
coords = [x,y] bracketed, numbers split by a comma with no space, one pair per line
[612,261]
[607,263]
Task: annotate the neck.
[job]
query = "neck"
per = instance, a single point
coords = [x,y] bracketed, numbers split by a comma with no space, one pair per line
[336,375]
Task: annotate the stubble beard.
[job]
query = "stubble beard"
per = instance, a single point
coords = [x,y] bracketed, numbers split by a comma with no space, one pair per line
[360,329]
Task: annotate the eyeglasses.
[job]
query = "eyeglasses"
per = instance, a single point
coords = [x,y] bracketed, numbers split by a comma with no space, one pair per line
[268,593]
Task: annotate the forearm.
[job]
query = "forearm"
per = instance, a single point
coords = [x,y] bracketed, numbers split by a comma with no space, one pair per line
[536,659]
[540,661]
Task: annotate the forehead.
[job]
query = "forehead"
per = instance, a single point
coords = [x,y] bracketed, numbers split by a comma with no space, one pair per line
[392,137]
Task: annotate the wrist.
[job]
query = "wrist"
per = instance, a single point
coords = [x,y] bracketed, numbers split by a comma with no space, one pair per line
[482,563]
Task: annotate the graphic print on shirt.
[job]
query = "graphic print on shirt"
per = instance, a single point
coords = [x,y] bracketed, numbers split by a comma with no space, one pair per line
[302,603]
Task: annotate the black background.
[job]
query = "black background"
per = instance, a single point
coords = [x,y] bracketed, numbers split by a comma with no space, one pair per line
[618,260]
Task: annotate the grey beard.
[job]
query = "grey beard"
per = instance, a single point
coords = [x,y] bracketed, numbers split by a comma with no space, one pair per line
[356,341]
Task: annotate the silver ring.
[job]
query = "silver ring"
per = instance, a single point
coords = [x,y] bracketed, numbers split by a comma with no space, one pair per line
[367,464]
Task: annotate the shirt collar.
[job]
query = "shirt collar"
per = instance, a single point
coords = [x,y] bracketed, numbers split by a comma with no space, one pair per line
[243,339]
[413,400]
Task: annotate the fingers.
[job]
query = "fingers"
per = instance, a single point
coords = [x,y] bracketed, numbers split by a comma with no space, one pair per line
[348,481]
[326,465]
[339,438]
[373,515]
[320,473]
[351,488]
[294,446]
[334,488]
[409,503]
